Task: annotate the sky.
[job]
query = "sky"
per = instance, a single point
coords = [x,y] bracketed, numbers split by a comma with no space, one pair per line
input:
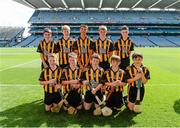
[14,14]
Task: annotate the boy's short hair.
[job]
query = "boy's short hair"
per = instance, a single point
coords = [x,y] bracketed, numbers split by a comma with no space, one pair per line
[96,56]
[84,26]
[134,55]
[47,30]
[66,27]
[115,57]
[102,27]
[124,27]
[52,55]
[72,55]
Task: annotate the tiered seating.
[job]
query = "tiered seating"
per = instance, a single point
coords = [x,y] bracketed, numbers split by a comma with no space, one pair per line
[26,41]
[160,41]
[105,16]
[142,41]
[147,28]
[35,42]
[3,43]
[10,35]
[174,39]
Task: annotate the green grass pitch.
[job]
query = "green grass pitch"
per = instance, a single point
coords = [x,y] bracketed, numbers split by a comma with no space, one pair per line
[21,97]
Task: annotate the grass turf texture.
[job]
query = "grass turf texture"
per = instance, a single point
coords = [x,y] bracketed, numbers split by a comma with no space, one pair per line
[21,96]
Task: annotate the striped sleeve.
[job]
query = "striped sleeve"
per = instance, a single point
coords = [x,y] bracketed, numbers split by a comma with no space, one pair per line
[39,48]
[41,77]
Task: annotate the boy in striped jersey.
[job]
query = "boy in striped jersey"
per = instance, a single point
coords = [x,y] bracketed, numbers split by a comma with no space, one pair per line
[84,47]
[93,74]
[123,48]
[46,47]
[114,79]
[137,71]
[104,47]
[50,80]
[64,46]
[71,82]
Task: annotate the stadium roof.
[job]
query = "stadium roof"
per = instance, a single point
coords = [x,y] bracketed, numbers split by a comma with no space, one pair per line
[102,4]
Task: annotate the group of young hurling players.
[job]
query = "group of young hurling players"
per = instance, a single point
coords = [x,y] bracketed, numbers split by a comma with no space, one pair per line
[76,71]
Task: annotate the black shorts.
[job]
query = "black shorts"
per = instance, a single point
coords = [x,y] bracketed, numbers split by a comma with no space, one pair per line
[74,98]
[42,65]
[50,98]
[105,65]
[124,63]
[133,94]
[89,97]
[63,66]
[115,100]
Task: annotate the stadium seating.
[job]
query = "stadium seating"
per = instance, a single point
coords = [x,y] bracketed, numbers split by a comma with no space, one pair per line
[147,28]
[35,42]
[26,41]
[174,39]
[160,41]
[52,16]
[3,43]
[142,41]
[10,36]
[140,22]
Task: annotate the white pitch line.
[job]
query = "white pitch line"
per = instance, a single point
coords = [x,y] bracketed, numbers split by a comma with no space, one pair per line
[18,65]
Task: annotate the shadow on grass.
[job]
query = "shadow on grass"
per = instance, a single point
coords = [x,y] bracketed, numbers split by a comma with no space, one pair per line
[176,106]
[32,115]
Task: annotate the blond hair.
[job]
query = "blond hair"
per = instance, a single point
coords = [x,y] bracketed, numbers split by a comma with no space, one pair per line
[96,56]
[102,27]
[52,55]
[66,27]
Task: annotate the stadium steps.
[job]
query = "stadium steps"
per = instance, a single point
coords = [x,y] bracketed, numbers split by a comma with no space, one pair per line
[141,41]
[175,39]
[35,42]
[152,42]
[27,41]
[173,42]
[30,42]
[20,43]
[161,42]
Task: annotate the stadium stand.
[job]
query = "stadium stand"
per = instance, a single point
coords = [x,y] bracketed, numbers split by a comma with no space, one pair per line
[10,36]
[145,17]
[173,39]
[148,28]
[143,24]
[35,42]
[26,41]
[160,41]
[142,41]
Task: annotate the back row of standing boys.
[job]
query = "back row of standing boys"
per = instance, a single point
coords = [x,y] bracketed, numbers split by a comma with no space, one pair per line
[83,61]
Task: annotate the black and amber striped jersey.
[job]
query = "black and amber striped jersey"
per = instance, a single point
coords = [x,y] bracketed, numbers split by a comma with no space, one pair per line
[123,48]
[70,74]
[64,47]
[132,71]
[83,47]
[46,48]
[103,48]
[93,76]
[48,74]
[112,76]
